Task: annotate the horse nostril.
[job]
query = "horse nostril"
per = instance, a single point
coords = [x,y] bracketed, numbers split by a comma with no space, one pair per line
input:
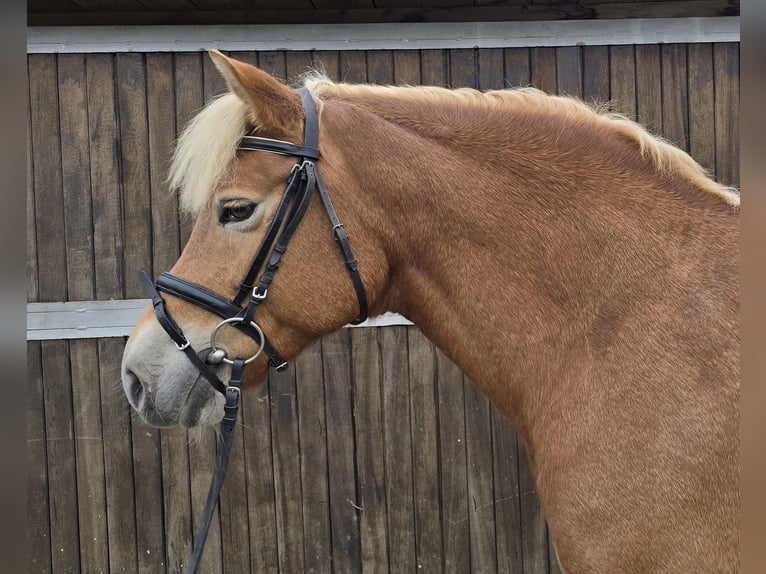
[134,389]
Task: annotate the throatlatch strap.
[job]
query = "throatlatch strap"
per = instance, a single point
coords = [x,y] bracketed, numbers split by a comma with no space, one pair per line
[221,464]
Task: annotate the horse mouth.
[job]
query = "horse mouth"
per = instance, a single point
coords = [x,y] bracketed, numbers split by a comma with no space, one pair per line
[197,405]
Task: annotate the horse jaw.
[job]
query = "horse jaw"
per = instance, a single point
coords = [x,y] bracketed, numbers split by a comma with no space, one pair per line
[160,383]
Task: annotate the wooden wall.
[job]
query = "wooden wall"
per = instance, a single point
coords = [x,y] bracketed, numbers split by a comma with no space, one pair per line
[372,452]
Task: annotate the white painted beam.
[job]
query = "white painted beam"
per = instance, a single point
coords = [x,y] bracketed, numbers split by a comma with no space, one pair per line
[388,36]
[96,319]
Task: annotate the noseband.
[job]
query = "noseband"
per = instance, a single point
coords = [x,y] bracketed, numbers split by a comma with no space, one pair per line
[301,183]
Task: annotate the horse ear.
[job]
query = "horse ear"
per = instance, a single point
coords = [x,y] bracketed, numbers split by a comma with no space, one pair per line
[273,107]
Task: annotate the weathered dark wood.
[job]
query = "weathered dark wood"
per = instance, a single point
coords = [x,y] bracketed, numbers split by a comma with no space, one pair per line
[433,67]
[312,427]
[510,11]
[187,70]
[38,540]
[118,460]
[701,105]
[103,137]
[344,498]
[73,113]
[131,102]
[425,451]
[491,72]
[726,70]
[595,81]
[62,479]
[622,80]
[569,72]
[32,288]
[287,472]
[463,71]
[256,420]
[542,69]
[353,66]
[481,511]
[517,63]
[649,88]
[297,64]
[89,452]
[380,67]
[398,449]
[160,115]
[534,532]
[49,195]
[453,464]
[373,530]
[406,67]
[505,465]
[675,97]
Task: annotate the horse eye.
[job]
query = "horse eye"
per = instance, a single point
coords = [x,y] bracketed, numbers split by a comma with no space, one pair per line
[239,211]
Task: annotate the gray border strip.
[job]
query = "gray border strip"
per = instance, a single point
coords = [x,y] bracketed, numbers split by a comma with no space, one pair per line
[434,35]
[96,319]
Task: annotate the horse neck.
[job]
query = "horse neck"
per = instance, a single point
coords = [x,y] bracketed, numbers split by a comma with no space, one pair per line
[503,250]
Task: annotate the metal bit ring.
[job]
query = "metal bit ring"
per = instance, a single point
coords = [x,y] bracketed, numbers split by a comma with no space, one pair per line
[233,320]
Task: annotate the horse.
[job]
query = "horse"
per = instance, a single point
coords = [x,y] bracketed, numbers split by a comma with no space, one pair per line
[580,270]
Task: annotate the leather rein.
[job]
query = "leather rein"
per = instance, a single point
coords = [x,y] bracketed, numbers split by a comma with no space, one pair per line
[303,180]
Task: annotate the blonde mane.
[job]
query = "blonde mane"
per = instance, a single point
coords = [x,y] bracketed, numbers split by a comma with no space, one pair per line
[206,150]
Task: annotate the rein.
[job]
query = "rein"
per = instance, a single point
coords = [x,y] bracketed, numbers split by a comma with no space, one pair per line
[301,183]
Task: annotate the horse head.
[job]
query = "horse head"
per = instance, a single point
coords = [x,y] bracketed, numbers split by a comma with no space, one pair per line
[245,171]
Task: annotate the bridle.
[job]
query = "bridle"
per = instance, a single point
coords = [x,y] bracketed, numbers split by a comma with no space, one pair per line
[301,183]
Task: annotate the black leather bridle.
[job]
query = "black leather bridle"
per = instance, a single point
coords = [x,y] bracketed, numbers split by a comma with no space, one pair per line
[301,183]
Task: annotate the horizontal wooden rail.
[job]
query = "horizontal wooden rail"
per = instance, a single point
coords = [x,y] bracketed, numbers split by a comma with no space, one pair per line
[97,319]
[385,36]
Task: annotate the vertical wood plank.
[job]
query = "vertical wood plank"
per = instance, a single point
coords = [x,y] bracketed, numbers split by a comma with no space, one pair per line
[118,460]
[212,81]
[380,67]
[187,75]
[261,504]
[622,80]
[542,69]
[105,177]
[160,113]
[49,195]
[353,66]
[131,100]
[407,67]
[297,64]
[595,81]
[312,427]
[398,449]
[327,62]
[425,451]
[490,69]
[89,450]
[38,548]
[649,87]
[534,535]
[675,97]
[287,472]
[369,450]
[701,105]
[481,507]
[433,67]
[569,74]
[463,70]
[726,70]
[453,463]
[78,233]
[32,287]
[516,65]
[344,498]
[62,479]
[506,488]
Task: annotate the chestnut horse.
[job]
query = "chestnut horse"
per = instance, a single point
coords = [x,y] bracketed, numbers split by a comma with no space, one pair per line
[582,272]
